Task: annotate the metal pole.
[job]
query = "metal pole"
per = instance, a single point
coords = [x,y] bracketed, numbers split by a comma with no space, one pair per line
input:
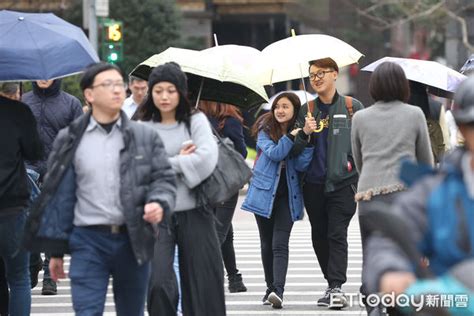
[93,38]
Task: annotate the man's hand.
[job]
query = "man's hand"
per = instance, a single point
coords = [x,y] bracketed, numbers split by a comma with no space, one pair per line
[56,269]
[295,131]
[153,213]
[396,282]
[309,125]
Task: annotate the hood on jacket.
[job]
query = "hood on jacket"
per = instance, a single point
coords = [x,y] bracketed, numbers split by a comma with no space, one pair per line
[51,91]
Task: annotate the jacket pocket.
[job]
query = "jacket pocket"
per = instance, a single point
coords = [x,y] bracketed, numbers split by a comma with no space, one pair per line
[261,181]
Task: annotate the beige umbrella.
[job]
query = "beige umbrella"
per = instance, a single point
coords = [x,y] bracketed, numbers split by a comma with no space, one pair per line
[288,58]
[221,74]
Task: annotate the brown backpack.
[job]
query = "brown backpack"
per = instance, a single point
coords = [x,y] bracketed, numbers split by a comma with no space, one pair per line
[348,101]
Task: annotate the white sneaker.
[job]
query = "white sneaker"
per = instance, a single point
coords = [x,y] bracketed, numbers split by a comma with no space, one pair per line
[337,299]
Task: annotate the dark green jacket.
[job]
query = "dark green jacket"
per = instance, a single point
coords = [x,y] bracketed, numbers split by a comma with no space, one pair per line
[339,150]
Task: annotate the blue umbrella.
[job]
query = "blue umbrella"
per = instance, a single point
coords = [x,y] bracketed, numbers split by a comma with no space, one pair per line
[41,46]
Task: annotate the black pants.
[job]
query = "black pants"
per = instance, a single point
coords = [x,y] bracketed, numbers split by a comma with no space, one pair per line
[4,296]
[274,239]
[200,267]
[365,233]
[330,215]
[225,233]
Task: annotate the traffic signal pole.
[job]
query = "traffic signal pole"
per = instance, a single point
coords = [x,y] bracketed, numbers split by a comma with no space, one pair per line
[93,38]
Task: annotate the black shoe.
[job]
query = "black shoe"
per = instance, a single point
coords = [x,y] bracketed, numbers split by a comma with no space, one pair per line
[325,300]
[236,283]
[49,287]
[276,300]
[265,300]
[337,299]
[34,271]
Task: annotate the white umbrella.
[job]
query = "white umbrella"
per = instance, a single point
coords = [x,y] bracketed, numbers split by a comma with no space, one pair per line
[304,97]
[441,80]
[214,74]
[289,58]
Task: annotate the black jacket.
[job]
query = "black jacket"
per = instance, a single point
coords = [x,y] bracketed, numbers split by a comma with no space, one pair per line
[54,110]
[19,140]
[145,176]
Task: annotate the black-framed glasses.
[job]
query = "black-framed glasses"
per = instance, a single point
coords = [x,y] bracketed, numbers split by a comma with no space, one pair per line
[110,85]
[320,74]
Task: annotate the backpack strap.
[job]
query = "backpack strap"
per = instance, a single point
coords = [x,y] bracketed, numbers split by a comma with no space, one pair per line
[350,110]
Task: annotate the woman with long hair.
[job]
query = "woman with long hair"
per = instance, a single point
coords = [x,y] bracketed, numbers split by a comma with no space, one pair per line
[193,154]
[228,122]
[274,194]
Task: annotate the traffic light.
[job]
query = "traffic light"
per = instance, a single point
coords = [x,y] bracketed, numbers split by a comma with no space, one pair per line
[112,41]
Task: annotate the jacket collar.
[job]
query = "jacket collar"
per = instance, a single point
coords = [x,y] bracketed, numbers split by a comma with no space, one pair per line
[51,91]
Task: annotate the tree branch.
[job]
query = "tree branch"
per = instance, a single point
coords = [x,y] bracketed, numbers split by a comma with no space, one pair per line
[462,22]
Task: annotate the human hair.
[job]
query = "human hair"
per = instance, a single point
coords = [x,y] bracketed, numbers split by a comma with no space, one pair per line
[9,88]
[131,79]
[220,111]
[88,77]
[324,63]
[269,124]
[147,111]
[389,83]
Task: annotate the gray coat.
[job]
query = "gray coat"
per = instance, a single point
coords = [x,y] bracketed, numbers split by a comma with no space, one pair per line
[146,176]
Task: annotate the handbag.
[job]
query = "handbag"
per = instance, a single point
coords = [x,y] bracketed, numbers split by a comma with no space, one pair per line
[229,176]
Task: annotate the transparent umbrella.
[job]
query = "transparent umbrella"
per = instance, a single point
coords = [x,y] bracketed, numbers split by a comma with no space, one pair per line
[440,79]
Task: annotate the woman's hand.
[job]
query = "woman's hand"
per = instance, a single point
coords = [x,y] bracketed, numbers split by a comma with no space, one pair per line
[188,149]
[295,131]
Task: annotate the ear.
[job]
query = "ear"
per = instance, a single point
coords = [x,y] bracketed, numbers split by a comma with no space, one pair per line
[88,96]
[335,75]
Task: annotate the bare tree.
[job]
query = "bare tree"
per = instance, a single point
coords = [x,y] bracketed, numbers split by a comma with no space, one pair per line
[385,14]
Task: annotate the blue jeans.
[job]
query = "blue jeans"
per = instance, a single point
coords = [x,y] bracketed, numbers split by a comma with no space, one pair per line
[16,263]
[94,257]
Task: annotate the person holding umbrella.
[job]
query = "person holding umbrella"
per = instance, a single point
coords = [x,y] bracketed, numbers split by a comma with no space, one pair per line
[54,110]
[438,213]
[331,180]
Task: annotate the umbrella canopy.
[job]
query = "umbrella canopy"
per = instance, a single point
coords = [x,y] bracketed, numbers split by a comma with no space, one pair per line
[441,80]
[222,73]
[302,95]
[289,58]
[468,66]
[41,46]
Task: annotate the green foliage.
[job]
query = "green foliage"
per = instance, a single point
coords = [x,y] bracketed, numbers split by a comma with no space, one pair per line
[149,27]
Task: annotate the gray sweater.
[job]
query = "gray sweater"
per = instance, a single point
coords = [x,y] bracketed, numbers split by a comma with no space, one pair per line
[382,135]
[191,169]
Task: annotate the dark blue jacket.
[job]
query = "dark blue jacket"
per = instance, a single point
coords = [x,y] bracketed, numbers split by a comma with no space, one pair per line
[54,110]
[232,129]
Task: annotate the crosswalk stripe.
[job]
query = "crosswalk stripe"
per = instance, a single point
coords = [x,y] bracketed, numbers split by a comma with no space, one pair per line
[304,284]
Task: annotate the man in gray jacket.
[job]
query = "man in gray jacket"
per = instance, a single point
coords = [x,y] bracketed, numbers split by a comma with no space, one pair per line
[108,184]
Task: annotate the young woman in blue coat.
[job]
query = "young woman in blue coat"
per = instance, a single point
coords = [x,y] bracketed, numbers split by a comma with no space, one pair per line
[274,193]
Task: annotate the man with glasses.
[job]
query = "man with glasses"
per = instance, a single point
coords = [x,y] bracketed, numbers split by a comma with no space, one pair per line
[139,88]
[108,184]
[330,182]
